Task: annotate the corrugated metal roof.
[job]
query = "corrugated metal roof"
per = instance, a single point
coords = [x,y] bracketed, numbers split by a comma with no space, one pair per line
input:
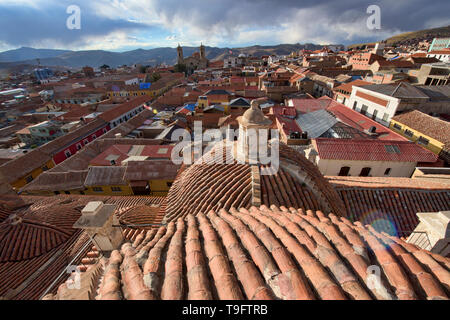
[105,176]
[316,123]
[151,170]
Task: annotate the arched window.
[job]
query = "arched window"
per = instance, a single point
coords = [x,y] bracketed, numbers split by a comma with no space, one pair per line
[344,171]
[365,172]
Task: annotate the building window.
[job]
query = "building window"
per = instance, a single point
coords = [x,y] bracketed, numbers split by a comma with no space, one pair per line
[97,189]
[85,141]
[79,146]
[409,133]
[67,153]
[104,130]
[94,136]
[45,168]
[169,184]
[56,192]
[374,115]
[355,104]
[82,192]
[116,189]
[67,192]
[29,179]
[344,171]
[385,117]
[387,172]
[423,141]
[397,126]
[365,172]
[364,109]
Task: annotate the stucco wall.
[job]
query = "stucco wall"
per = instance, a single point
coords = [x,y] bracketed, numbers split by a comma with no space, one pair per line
[398,169]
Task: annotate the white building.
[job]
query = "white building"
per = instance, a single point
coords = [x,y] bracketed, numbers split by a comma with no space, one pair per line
[442,55]
[381,101]
[368,157]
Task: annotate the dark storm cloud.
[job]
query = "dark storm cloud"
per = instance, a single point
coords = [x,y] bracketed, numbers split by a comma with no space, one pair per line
[22,26]
[404,15]
[341,20]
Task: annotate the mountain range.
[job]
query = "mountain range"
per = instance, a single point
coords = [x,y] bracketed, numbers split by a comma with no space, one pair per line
[95,58]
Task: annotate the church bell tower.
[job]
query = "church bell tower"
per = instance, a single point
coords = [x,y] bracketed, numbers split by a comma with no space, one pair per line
[202,51]
[180,54]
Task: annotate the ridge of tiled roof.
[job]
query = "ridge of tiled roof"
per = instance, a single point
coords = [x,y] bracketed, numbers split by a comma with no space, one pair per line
[385,182]
[268,253]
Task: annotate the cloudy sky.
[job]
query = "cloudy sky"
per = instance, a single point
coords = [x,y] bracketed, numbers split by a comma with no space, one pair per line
[121,25]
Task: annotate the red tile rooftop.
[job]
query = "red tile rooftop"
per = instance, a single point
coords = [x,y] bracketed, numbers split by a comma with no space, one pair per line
[265,253]
[358,121]
[310,105]
[371,150]
[207,185]
[38,241]
[390,204]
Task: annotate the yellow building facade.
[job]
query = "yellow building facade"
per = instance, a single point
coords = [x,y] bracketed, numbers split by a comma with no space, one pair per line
[32,175]
[418,137]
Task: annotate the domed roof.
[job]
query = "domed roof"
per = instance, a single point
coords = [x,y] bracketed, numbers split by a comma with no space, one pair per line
[33,233]
[208,185]
[254,117]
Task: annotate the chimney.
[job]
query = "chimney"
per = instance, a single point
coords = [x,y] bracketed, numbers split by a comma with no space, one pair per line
[433,232]
[97,219]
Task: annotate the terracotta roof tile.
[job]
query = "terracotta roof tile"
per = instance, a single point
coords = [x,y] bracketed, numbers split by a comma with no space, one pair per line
[372,150]
[269,253]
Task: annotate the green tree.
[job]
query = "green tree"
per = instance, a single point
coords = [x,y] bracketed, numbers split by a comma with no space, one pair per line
[155,77]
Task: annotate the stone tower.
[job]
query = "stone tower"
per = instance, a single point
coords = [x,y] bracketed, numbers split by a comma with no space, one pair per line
[252,124]
[180,54]
[202,51]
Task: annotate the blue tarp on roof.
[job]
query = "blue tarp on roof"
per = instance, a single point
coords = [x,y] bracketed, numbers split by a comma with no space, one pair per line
[145,85]
[190,107]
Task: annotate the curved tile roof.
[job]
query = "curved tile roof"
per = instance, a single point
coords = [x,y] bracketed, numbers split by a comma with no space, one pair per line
[208,185]
[33,233]
[270,253]
[142,215]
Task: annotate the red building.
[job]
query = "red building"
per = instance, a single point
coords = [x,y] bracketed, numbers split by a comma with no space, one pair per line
[71,143]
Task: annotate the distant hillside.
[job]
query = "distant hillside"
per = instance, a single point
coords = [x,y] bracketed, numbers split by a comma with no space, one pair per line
[96,58]
[26,53]
[412,38]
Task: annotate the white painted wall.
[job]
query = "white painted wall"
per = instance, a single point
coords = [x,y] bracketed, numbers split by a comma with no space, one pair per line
[398,169]
[371,106]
